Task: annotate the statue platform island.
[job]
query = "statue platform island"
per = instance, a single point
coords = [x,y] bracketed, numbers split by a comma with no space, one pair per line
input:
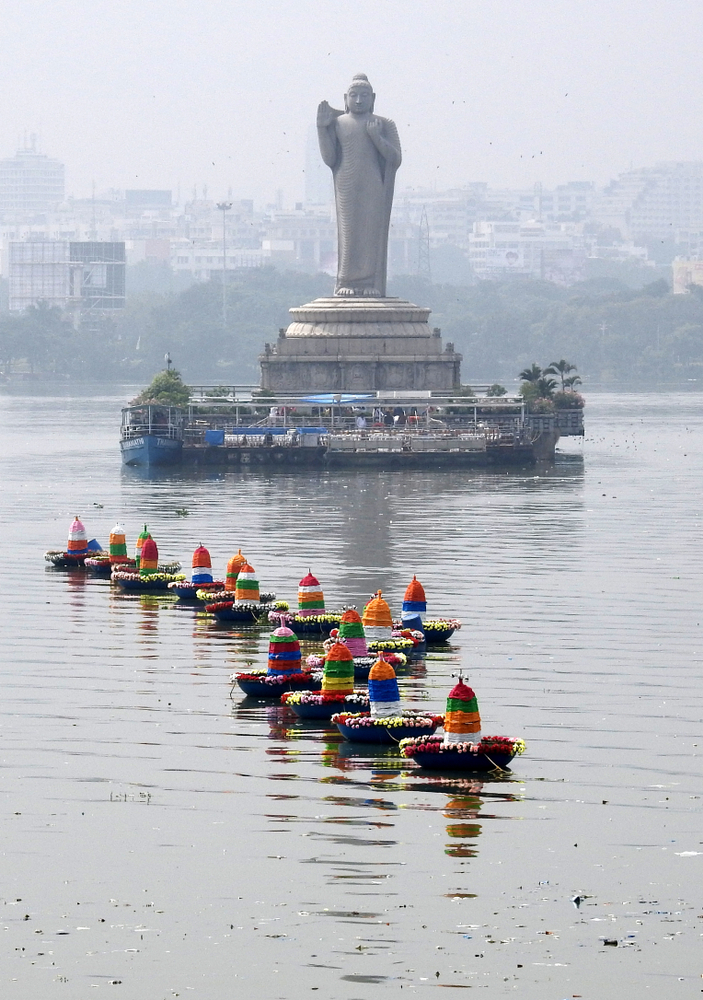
[360,339]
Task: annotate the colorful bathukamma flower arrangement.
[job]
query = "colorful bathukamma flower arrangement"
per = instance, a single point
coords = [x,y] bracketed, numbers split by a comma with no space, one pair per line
[200,578]
[77,549]
[351,633]
[414,613]
[248,605]
[115,556]
[378,626]
[387,721]
[283,672]
[462,748]
[311,617]
[337,688]
[148,576]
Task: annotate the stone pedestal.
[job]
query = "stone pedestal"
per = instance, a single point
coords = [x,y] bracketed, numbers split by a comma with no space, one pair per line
[357,345]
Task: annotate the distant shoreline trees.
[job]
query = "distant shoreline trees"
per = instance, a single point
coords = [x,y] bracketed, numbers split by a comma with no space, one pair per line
[498,326]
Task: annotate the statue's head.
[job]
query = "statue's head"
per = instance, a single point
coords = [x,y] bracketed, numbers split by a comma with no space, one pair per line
[360,98]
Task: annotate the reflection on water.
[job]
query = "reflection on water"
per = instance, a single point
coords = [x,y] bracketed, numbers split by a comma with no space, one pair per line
[161,834]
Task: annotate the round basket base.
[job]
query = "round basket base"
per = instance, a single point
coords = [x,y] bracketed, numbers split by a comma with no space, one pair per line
[101,567]
[325,710]
[234,615]
[260,689]
[143,586]
[434,636]
[66,560]
[311,628]
[382,734]
[450,760]
[189,593]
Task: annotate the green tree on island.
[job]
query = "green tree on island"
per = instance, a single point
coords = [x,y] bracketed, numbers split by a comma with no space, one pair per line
[167,388]
[562,369]
[531,374]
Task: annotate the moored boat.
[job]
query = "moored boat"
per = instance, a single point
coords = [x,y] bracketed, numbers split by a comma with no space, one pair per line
[151,434]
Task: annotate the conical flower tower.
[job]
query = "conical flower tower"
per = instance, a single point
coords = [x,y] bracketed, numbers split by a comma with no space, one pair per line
[338,671]
[377,619]
[149,558]
[77,538]
[247,588]
[233,567]
[284,653]
[311,600]
[138,548]
[462,722]
[414,605]
[383,690]
[118,546]
[201,566]
[351,633]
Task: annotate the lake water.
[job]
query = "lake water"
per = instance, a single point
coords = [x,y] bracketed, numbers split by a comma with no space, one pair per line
[162,839]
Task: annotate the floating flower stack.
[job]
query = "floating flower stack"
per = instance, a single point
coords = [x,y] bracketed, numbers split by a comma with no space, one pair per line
[414,605]
[311,617]
[337,688]
[233,567]
[115,556]
[415,610]
[387,722]
[77,539]
[150,577]
[141,538]
[118,546]
[377,618]
[284,669]
[201,577]
[351,633]
[247,587]
[462,747]
[378,626]
[311,600]
[77,548]
[149,558]
[249,603]
[362,664]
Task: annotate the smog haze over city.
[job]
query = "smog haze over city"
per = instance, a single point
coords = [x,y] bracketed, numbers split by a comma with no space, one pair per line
[176,94]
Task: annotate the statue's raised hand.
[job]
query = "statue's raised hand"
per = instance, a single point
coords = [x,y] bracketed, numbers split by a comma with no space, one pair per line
[325,115]
[374,127]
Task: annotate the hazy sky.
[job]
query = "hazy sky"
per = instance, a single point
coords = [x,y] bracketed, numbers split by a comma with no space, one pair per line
[162,93]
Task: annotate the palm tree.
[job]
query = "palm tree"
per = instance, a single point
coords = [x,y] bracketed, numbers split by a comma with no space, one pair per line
[546,387]
[571,383]
[562,369]
[532,374]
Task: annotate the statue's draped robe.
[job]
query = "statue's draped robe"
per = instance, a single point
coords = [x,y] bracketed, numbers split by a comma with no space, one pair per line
[363,187]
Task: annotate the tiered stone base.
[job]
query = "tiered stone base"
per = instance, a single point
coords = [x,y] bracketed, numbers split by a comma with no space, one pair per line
[357,345]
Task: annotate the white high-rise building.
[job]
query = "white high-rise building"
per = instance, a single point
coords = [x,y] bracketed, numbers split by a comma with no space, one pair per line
[31,183]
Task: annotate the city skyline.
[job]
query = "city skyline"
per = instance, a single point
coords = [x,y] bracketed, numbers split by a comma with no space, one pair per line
[223,96]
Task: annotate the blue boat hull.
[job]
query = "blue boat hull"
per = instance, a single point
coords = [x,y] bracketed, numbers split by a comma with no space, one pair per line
[151,449]
[452,761]
[382,734]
